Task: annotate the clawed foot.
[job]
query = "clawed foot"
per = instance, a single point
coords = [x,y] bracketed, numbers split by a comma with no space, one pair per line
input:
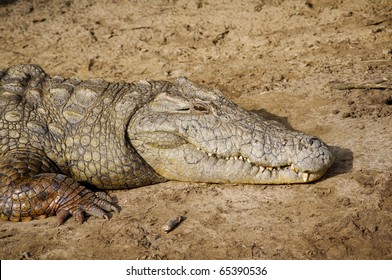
[87,203]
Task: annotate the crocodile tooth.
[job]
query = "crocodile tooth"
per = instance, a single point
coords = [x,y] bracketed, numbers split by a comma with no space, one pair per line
[270,168]
[235,158]
[240,158]
[227,158]
[248,160]
[293,168]
[278,168]
[262,168]
[305,176]
[209,154]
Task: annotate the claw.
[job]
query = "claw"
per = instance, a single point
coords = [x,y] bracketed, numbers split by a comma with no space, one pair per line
[79,215]
[87,203]
[115,209]
[96,211]
[105,205]
[62,216]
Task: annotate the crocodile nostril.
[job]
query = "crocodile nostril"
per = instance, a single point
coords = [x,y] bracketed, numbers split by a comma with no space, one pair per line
[315,142]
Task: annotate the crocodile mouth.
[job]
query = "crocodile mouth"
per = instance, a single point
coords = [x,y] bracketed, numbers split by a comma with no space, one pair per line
[187,162]
[257,168]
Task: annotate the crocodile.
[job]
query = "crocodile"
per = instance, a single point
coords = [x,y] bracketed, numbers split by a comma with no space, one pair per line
[64,142]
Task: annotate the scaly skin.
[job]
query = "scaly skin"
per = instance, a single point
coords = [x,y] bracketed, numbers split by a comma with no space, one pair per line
[58,136]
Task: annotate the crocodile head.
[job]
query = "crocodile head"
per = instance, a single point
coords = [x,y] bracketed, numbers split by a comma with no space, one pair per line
[193,133]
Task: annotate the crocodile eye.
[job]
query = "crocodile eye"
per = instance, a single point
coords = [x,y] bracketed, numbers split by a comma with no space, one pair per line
[200,108]
[197,109]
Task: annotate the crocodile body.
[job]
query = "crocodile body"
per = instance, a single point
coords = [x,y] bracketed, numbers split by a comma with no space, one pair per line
[59,137]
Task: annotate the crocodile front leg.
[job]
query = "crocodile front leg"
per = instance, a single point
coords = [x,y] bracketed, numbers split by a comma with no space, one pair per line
[33,187]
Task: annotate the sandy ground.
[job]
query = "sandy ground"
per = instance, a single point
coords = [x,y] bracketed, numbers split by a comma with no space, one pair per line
[322,67]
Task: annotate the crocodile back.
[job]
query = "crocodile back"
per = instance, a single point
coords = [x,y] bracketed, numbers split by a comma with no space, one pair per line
[79,125]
